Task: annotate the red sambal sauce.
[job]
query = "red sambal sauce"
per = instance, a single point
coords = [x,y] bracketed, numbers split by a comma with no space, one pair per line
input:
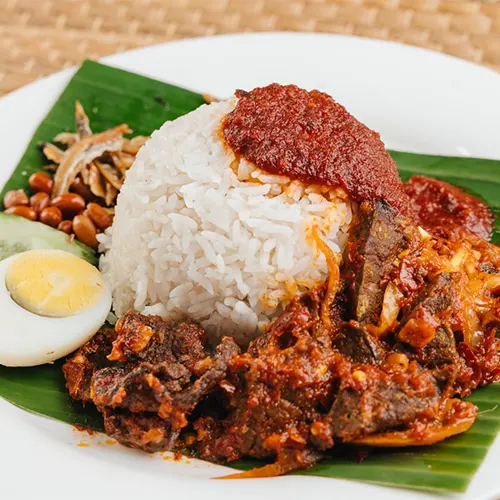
[443,209]
[307,136]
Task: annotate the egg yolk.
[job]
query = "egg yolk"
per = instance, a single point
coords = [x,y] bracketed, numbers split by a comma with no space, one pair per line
[53,283]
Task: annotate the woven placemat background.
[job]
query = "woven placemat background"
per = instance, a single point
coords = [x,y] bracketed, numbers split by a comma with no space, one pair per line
[38,37]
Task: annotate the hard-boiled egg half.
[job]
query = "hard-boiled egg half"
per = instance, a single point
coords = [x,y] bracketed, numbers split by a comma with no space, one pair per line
[51,303]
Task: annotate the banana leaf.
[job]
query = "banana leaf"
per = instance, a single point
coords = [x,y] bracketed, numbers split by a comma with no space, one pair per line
[113,96]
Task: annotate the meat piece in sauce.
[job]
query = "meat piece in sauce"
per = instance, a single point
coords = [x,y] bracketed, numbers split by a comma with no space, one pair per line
[430,319]
[141,388]
[149,411]
[442,209]
[150,339]
[376,240]
[144,431]
[284,384]
[93,356]
[151,367]
[383,400]
[355,342]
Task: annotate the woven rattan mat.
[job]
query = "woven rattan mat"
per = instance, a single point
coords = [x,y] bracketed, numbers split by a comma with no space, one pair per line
[38,37]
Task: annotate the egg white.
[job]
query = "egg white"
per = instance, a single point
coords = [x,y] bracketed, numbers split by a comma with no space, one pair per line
[27,339]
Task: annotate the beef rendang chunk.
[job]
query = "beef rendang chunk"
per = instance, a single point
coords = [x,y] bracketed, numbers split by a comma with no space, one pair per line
[377,239]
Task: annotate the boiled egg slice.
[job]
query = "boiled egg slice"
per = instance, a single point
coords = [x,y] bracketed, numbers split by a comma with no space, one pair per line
[51,303]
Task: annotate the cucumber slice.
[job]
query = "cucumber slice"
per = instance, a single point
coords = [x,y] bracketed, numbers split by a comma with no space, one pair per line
[18,234]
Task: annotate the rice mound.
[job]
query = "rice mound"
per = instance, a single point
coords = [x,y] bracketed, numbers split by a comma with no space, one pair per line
[199,233]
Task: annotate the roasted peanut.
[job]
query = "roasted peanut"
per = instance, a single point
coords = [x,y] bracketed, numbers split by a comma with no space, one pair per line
[15,198]
[99,216]
[69,203]
[40,201]
[79,187]
[51,216]
[66,226]
[41,182]
[22,211]
[85,231]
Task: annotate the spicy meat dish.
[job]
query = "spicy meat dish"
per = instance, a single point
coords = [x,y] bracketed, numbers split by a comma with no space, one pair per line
[378,355]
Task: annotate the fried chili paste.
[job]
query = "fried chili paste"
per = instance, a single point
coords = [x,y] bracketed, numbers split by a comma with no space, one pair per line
[308,136]
[444,209]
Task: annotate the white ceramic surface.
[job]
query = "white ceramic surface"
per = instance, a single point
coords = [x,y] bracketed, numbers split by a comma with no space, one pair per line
[418,100]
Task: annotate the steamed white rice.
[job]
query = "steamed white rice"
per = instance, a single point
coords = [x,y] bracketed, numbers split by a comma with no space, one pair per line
[200,234]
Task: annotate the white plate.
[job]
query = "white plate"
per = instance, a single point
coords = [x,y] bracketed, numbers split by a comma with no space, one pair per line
[417,100]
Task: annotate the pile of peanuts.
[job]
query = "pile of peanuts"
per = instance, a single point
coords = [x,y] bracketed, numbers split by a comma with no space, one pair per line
[74,213]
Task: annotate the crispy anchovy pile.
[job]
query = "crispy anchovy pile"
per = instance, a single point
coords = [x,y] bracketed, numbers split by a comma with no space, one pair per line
[410,327]
[100,161]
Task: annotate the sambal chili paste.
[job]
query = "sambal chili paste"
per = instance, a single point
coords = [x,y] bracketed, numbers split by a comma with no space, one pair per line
[308,136]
